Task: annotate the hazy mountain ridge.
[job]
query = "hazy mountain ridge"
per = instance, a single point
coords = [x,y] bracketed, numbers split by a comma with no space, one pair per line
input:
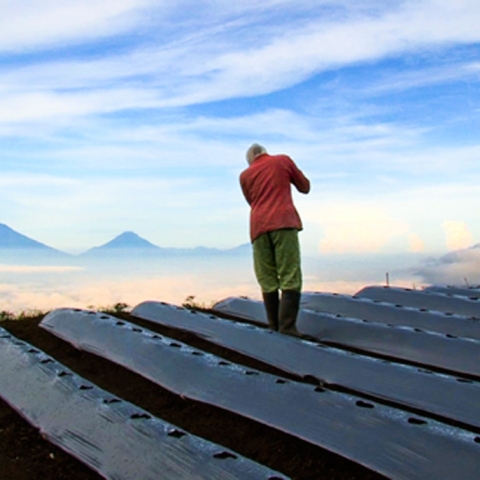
[126,245]
[12,242]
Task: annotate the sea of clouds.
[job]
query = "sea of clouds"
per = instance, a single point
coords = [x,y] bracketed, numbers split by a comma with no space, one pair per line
[104,283]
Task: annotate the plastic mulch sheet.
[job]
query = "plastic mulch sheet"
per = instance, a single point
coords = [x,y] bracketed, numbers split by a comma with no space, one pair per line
[391,313]
[451,397]
[387,440]
[115,438]
[428,299]
[444,352]
[471,292]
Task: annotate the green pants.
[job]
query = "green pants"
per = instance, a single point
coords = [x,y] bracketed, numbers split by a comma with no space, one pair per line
[276,258]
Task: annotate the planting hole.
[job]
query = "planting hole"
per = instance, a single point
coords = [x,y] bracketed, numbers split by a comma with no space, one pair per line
[139,416]
[223,363]
[319,389]
[423,370]
[464,380]
[198,354]
[416,421]
[64,374]
[280,381]
[108,401]
[175,345]
[249,372]
[119,323]
[224,455]
[32,350]
[47,360]
[477,440]
[86,387]
[362,404]
[104,317]
[136,329]
[176,434]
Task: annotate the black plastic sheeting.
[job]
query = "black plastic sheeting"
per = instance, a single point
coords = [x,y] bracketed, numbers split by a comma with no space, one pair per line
[384,439]
[113,437]
[431,300]
[393,314]
[471,292]
[419,389]
[457,355]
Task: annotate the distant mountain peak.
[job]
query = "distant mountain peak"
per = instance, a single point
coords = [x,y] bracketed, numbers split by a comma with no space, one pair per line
[127,240]
[11,239]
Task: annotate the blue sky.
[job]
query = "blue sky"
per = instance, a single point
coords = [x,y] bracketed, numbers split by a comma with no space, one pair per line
[136,115]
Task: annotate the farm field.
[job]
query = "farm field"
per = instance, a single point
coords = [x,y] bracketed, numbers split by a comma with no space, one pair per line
[24,454]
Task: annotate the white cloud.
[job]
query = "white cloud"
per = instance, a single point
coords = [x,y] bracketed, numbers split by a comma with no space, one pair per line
[354,216]
[127,283]
[37,269]
[186,53]
[358,229]
[415,243]
[459,267]
[457,234]
[206,65]
[28,24]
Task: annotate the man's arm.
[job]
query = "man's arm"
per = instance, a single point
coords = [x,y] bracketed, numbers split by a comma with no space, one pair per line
[244,189]
[301,182]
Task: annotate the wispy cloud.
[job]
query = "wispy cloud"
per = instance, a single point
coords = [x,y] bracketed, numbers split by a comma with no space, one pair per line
[207,65]
[37,269]
[460,267]
[136,115]
[27,24]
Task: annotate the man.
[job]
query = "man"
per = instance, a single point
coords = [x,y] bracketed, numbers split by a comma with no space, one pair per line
[274,226]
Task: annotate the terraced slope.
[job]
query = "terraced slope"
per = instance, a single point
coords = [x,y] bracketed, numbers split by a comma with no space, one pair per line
[25,455]
[401,415]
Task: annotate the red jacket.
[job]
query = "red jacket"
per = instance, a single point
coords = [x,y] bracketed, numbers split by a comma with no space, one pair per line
[266,186]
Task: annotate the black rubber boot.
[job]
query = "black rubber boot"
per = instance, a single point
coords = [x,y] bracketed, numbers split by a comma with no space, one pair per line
[289,307]
[272,304]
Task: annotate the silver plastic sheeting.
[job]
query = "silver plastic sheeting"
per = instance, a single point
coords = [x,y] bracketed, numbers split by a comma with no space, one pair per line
[113,437]
[389,441]
[393,314]
[430,300]
[419,389]
[471,292]
[457,355]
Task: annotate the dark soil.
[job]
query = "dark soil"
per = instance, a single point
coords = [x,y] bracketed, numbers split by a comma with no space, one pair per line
[24,454]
